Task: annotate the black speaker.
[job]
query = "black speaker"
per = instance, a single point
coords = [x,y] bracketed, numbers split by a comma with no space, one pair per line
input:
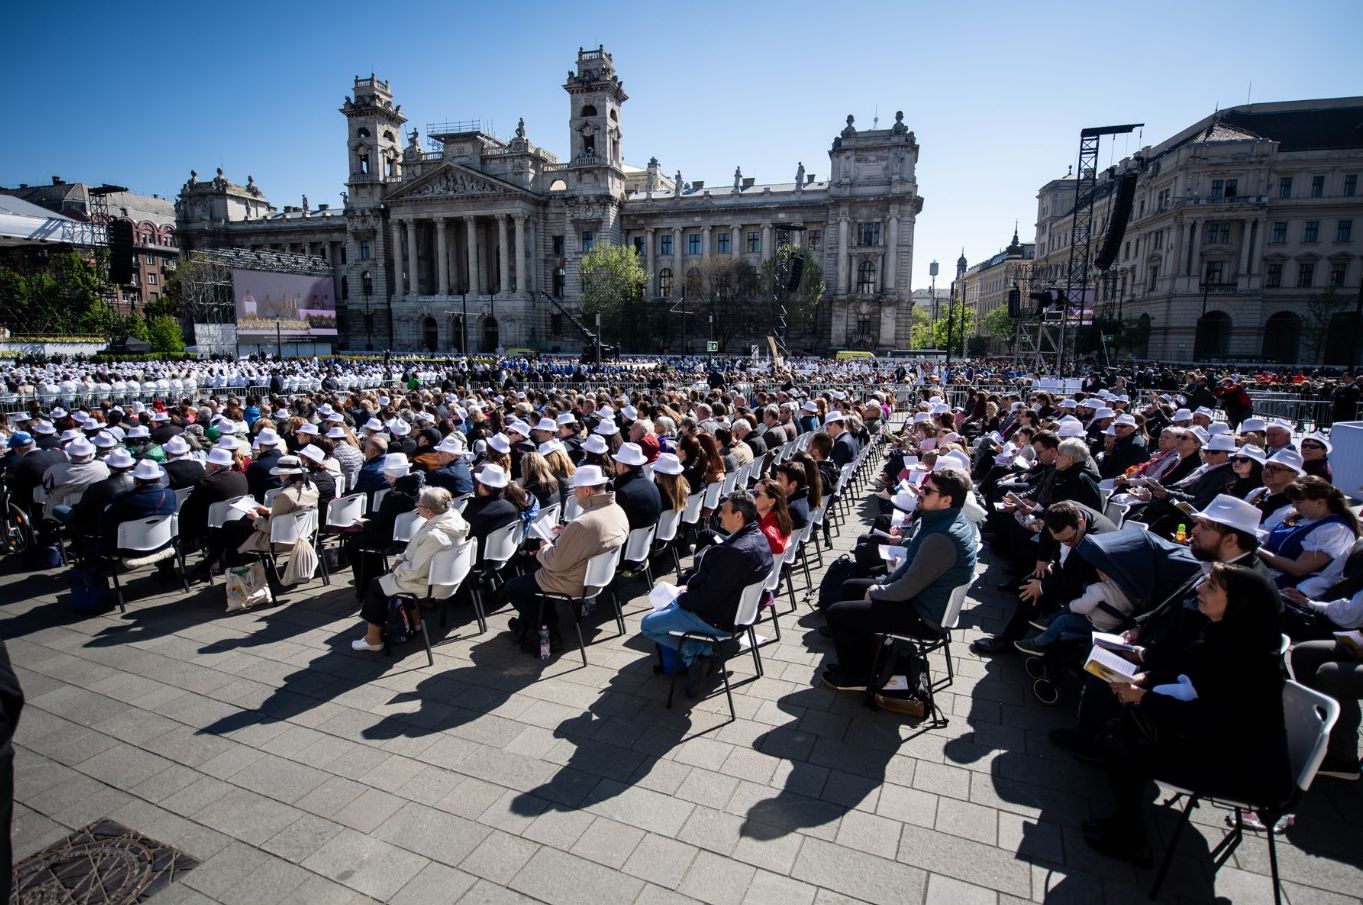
[120,252]
[797,269]
[1015,303]
[1116,227]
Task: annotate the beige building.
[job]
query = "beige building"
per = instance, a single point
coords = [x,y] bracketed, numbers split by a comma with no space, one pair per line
[986,285]
[1244,241]
[494,228]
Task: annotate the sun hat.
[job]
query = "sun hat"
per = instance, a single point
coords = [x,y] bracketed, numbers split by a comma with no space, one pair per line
[589,476]
[267,437]
[1222,443]
[630,454]
[595,444]
[1288,458]
[834,418]
[312,454]
[217,455]
[1227,510]
[551,446]
[1253,426]
[546,424]
[176,446]
[119,458]
[492,475]
[1128,420]
[336,433]
[500,442]
[288,465]
[607,429]
[147,470]
[80,448]
[396,464]
[1250,451]
[667,463]
[103,440]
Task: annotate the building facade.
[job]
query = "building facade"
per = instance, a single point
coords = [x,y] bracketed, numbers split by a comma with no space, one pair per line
[985,286]
[1244,239]
[463,244]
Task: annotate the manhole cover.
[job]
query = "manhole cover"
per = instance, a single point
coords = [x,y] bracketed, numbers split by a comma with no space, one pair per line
[104,863]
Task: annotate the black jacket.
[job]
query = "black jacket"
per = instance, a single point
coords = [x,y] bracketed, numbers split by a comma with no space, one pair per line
[799,508]
[1075,484]
[454,477]
[844,449]
[214,488]
[86,515]
[26,473]
[184,472]
[258,477]
[725,570]
[1125,453]
[486,514]
[1067,581]
[639,497]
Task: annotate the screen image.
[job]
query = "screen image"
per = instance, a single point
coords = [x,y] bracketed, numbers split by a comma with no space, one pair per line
[285,303]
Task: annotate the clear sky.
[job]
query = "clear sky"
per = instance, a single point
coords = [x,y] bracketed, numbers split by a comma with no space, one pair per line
[996,93]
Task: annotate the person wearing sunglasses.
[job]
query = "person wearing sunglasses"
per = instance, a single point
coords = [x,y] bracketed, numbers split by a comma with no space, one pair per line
[1247,464]
[1315,456]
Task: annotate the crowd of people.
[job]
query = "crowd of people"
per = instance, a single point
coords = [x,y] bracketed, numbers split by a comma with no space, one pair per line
[1181,522]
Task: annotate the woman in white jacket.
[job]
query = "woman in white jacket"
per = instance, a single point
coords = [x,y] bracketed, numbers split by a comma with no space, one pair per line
[443,529]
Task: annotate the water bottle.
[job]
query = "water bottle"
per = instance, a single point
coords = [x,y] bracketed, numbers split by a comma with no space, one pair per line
[589,606]
[544,642]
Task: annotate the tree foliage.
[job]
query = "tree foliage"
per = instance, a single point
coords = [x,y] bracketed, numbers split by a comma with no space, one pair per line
[165,336]
[63,294]
[611,278]
[926,334]
[1001,327]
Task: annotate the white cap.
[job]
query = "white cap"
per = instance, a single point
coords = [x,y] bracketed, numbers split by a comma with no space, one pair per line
[119,458]
[147,470]
[1235,513]
[630,454]
[492,475]
[589,476]
[217,455]
[667,463]
[396,464]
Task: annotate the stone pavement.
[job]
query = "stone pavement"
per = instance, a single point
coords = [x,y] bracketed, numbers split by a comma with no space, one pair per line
[301,772]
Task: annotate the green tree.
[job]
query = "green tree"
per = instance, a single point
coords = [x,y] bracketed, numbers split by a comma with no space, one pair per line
[165,336]
[729,290]
[1001,327]
[927,335]
[612,281]
[65,294]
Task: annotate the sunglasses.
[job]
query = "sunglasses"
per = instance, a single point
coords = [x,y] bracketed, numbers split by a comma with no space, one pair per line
[1242,459]
[1312,446]
[927,490]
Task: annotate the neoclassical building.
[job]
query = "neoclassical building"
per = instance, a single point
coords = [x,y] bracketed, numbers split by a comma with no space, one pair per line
[463,243]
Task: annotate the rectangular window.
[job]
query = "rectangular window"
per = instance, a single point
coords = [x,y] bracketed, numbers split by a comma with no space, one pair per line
[693,244]
[815,237]
[1350,185]
[725,243]
[1285,187]
[1306,270]
[1279,234]
[151,259]
[558,246]
[1212,276]
[868,233]
[588,240]
[638,245]
[1337,269]
[754,243]
[1218,188]
[1273,275]
[364,250]
[1344,231]
[1311,231]
[151,279]
[1232,187]
[1154,279]
[665,244]
[1317,186]
[1217,234]
[343,254]
[1159,239]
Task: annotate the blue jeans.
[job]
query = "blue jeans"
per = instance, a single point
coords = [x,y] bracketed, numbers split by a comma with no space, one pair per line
[657,627]
[62,513]
[1065,626]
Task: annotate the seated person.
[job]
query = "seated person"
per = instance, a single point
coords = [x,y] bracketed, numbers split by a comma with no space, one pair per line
[634,491]
[443,529]
[708,604]
[773,514]
[601,527]
[314,460]
[1105,605]
[451,469]
[297,492]
[1309,547]
[219,484]
[490,509]
[66,481]
[147,499]
[181,470]
[374,534]
[1333,669]
[914,598]
[86,515]
[1212,714]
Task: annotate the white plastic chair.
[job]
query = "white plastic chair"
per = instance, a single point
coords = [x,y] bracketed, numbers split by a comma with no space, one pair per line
[449,569]
[745,618]
[147,536]
[270,495]
[597,581]
[378,497]
[343,512]
[639,549]
[181,495]
[571,509]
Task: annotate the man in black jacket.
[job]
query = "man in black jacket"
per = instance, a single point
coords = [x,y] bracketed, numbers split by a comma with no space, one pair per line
[844,445]
[26,471]
[708,604]
[634,492]
[181,470]
[1057,579]
[86,514]
[258,477]
[1129,449]
[489,509]
[451,471]
[218,485]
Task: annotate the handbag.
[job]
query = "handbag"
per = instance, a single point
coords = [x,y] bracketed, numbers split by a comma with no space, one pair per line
[89,590]
[246,587]
[302,563]
[399,627]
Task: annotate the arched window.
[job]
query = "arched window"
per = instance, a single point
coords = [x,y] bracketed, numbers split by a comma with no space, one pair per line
[866,277]
[1282,337]
[362,132]
[366,284]
[665,282]
[1213,335]
[589,110]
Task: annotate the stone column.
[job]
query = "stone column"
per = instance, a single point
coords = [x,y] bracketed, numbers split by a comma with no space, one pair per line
[766,241]
[892,261]
[678,267]
[442,249]
[452,250]
[735,249]
[842,256]
[399,275]
[652,273]
[522,259]
[705,244]
[532,255]
[414,259]
[503,258]
[1243,267]
[471,240]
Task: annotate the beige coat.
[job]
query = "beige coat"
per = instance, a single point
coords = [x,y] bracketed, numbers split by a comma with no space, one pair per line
[293,497]
[413,567]
[602,526]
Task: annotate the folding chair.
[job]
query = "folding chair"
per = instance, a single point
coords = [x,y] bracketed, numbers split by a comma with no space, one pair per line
[449,568]
[270,495]
[638,547]
[285,531]
[1309,716]
[218,515]
[181,495]
[146,536]
[600,573]
[744,619]
[665,537]
[927,643]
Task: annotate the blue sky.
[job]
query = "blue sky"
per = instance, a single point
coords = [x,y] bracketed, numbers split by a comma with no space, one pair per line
[995,93]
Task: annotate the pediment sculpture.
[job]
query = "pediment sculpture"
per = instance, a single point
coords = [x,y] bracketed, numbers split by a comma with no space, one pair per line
[456,182]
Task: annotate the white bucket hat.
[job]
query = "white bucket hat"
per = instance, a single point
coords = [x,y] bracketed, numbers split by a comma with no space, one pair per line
[500,443]
[288,465]
[176,446]
[217,455]
[147,470]
[1233,513]
[630,454]
[312,454]
[396,464]
[607,429]
[492,475]
[589,476]
[667,463]
[594,444]
[119,458]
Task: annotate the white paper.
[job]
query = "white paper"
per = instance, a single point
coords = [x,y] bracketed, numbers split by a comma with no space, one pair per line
[542,529]
[663,594]
[892,555]
[896,683]
[1109,667]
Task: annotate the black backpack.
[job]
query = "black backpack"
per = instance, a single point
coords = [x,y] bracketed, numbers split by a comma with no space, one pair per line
[399,627]
[902,683]
[838,571]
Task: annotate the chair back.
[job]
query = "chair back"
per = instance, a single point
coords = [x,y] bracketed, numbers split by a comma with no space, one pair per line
[571,509]
[774,577]
[181,495]
[147,534]
[345,511]
[667,526]
[694,503]
[1309,717]
[450,567]
[405,526]
[290,528]
[500,545]
[601,569]
[639,543]
[379,495]
[817,516]
[952,617]
[748,603]
[338,478]
[270,495]
[460,503]
[712,492]
[218,513]
[730,481]
[548,516]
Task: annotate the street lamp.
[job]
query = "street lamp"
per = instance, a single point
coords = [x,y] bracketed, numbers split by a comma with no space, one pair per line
[932,271]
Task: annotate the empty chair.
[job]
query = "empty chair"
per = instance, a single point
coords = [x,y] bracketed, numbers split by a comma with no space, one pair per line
[639,549]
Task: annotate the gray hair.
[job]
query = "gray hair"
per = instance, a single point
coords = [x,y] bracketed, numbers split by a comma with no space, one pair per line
[1075,448]
[436,499]
[665,426]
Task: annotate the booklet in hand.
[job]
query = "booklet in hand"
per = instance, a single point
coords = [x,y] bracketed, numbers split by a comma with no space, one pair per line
[1351,641]
[663,594]
[1109,667]
[893,555]
[1114,642]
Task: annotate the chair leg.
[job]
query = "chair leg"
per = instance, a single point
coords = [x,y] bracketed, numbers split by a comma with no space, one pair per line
[648,572]
[775,621]
[478,611]
[752,645]
[619,611]
[581,641]
[184,574]
[426,639]
[322,566]
[118,589]
[728,690]
[1173,844]
[1273,867]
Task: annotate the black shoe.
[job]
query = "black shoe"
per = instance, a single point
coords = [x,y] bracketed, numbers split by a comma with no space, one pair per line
[990,647]
[835,680]
[514,623]
[1124,843]
[1076,743]
[1339,768]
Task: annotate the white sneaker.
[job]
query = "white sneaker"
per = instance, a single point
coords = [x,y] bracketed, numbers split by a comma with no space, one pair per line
[362,644]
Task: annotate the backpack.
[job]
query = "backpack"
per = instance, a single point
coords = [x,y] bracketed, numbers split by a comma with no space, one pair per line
[399,627]
[901,683]
[838,571]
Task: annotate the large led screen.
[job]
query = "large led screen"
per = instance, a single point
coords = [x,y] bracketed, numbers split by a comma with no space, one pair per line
[290,304]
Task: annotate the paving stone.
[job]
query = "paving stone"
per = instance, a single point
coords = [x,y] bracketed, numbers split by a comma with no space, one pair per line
[716,880]
[646,809]
[660,860]
[499,857]
[301,838]
[247,816]
[436,834]
[559,829]
[608,842]
[367,811]
[943,854]
[768,888]
[868,833]
[364,863]
[858,875]
[972,821]
[437,884]
[944,890]
[563,879]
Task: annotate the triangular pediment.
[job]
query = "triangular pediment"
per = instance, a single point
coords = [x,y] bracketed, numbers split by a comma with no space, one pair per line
[452,181]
